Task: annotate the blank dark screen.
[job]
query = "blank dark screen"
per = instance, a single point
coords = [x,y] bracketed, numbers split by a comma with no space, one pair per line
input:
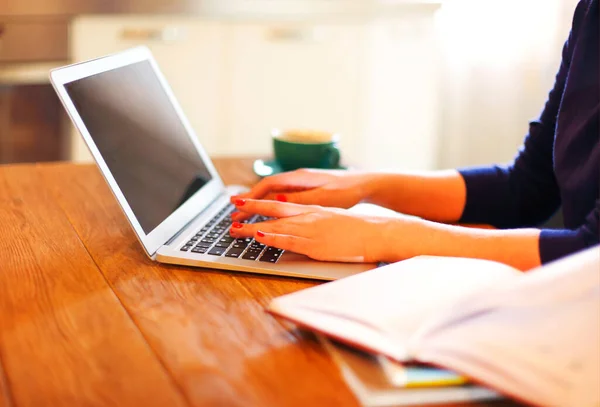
[140,136]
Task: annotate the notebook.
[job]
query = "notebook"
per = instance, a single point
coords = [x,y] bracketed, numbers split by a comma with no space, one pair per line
[376,385]
[533,336]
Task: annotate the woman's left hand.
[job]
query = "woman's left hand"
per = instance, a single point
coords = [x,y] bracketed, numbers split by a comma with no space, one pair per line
[327,234]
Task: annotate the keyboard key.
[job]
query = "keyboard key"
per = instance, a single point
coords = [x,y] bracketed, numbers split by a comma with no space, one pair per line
[234,253]
[250,255]
[271,254]
[269,257]
[216,232]
[186,248]
[217,251]
[255,252]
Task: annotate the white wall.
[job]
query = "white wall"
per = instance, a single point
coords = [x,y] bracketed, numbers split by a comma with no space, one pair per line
[500,58]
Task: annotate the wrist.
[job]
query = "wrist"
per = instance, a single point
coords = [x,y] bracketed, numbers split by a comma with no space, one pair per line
[401,238]
[372,186]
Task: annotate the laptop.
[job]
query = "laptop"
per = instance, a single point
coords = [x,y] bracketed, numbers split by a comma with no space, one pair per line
[159,173]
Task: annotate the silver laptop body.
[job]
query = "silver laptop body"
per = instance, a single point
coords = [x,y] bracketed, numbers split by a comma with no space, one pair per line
[159,173]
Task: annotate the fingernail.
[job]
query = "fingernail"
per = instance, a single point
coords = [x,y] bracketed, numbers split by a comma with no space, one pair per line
[260,234]
[237,225]
[281,198]
[240,202]
[235,215]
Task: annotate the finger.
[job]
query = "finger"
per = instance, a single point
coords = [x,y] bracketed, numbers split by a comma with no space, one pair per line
[278,226]
[302,245]
[291,243]
[288,181]
[274,190]
[263,187]
[313,196]
[273,209]
[240,216]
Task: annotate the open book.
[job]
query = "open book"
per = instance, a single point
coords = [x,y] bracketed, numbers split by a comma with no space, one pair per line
[534,336]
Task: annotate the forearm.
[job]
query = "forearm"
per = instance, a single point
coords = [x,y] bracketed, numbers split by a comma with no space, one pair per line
[516,247]
[436,195]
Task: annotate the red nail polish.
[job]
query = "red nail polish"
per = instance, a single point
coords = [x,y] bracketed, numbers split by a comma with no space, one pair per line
[240,202]
[234,215]
[281,198]
[260,234]
[237,225]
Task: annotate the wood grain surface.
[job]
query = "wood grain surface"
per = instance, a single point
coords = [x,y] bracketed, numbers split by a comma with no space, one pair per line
[64,337]
[206,327]
[87,319]
[4,393]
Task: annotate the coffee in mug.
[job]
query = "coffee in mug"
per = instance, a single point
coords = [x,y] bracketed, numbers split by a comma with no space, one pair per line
[299,148]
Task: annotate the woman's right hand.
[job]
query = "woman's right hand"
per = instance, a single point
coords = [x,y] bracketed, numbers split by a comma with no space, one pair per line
[333,188]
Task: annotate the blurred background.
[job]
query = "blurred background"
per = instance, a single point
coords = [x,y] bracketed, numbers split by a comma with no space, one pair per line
[408,84]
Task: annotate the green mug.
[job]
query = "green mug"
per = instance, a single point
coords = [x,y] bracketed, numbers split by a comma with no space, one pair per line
[303,149]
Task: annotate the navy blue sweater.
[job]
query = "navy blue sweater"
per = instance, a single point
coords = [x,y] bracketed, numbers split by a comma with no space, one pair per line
[559,162]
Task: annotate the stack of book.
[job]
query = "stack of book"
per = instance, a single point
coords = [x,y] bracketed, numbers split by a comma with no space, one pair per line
[377,381]
[399,332]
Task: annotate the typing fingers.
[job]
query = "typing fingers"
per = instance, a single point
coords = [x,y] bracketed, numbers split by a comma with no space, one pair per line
[272,209]
[291,243]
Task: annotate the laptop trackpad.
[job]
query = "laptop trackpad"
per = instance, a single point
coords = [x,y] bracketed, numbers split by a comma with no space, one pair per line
[293,257]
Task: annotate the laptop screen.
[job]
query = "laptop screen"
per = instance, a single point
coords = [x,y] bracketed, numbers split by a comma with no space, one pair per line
[141,138]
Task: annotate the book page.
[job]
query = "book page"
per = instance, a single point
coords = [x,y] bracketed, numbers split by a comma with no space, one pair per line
[536,338]
[391,302]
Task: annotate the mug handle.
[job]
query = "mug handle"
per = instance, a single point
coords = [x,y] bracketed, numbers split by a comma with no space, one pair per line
[332,159]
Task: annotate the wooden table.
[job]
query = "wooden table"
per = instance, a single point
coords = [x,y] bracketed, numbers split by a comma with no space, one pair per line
[87,319]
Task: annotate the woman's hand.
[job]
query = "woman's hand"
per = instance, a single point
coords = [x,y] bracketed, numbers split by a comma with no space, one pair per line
[333,188]
[327,234]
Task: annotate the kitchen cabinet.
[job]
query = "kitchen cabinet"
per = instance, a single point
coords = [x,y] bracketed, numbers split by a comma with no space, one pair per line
[297,75]
[31,115]
[33,40]
[401,105]
[31,120]
[373,80]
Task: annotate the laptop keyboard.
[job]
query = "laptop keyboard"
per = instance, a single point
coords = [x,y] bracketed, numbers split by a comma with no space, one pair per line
[214,239]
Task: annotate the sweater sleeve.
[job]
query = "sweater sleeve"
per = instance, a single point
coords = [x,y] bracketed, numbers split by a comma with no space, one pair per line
[524,193]
[558,243]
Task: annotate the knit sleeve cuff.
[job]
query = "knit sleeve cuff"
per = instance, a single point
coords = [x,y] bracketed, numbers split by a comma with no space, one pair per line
[488,197]
[555,244]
